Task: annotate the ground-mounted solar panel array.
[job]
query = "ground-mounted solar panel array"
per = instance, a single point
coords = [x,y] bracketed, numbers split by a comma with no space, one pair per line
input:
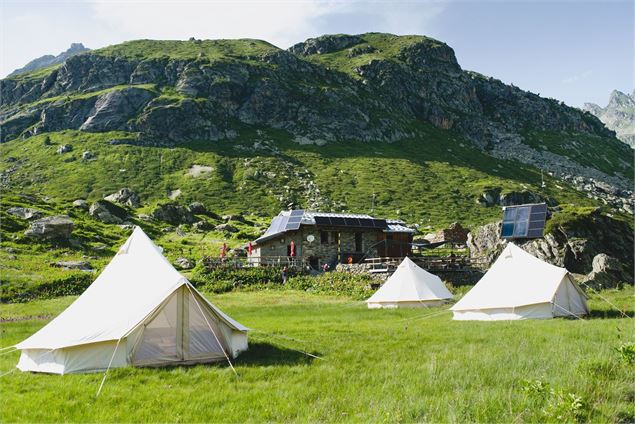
[524,221]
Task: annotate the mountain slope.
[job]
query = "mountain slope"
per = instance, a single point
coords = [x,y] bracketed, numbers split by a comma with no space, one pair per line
[334,92]
[618,115]
[50,60]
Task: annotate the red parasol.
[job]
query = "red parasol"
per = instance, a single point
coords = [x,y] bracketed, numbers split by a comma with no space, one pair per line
[249,249]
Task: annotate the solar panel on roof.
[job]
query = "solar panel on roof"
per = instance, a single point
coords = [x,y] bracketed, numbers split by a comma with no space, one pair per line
[365,222]
[352,222]
[322,220]
[380,223]
[293,226]
[337,221]
[297,212]
[524,221]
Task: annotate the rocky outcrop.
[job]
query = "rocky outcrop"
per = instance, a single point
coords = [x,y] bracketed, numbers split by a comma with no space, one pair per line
[173,213]
[573,244]
[81,204]
[113,110]
[108,212]
[57,227]
[324,44]
[607,272]
[226,228]
[126,197]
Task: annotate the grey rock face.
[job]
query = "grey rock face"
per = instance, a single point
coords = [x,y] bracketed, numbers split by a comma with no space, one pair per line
[173,213]
[124,196]
[108,212]
[51,227]
[25,213]
[113,109]
[197,208]
[324,44]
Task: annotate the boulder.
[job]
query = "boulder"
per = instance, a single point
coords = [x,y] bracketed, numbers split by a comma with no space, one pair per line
[607,272]
[108,212]
[68,265]
[64,148]
[184,263]
[235,217]
[173,213]
[203,226]
[51,227]
[227,228]
[87,155]
[197,208]
[25,213]
[81,204]
[519,198]
[124,196]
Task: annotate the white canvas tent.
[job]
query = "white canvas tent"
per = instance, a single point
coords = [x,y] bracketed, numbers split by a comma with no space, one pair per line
[521,286]
[410,286]
[140,311]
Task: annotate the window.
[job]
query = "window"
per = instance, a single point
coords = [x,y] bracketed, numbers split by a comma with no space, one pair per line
[359,242]
[324,237]
[335,237]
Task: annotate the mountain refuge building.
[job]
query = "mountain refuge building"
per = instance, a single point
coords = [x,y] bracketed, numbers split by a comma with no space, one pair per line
[319,238]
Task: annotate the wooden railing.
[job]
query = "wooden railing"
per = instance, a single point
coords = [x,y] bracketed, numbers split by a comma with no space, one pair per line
[430,263]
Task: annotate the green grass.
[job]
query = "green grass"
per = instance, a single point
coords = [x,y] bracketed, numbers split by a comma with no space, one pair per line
[377,366]
[386,47]
[176,49]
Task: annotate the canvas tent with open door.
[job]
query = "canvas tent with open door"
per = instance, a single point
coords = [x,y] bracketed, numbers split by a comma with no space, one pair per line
[140,311]
[521,286]
[410,286]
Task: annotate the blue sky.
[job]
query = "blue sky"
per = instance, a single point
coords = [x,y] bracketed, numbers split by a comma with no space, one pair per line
[576,51]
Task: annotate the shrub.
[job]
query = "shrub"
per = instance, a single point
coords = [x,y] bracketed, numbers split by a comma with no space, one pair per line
[334,283]
[71,285]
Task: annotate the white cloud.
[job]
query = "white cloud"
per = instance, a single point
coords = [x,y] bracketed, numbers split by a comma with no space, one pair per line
[578,77]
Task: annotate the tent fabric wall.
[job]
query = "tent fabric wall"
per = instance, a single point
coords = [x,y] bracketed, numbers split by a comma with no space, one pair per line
[410,286]
[142,306]
[406,304]
[521,286]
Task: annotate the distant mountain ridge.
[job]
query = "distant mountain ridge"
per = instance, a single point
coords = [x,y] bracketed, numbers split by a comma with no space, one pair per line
[49,59]
[618,115]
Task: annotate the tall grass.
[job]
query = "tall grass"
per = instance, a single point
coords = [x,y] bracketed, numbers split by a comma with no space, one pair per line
[376,366]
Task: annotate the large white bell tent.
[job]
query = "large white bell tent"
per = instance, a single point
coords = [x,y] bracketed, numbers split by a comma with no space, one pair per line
[140,311]
[521,286]
[410,286]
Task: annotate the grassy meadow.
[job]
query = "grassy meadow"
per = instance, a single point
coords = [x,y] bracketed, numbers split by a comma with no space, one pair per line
[376,366]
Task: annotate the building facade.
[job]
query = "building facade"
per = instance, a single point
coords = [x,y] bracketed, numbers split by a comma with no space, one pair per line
[319,238]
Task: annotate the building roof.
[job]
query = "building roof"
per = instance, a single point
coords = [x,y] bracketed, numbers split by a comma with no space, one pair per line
[292,220]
